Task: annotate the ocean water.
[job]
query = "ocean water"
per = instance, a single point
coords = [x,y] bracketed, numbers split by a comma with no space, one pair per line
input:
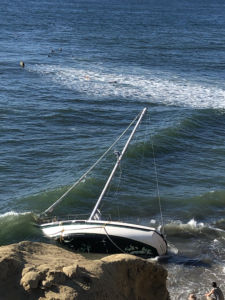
[90,68]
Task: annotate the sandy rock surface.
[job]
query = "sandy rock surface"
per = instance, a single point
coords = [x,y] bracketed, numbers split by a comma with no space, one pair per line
[31,270]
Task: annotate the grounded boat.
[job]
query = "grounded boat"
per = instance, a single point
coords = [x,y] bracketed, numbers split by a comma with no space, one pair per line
[105,236]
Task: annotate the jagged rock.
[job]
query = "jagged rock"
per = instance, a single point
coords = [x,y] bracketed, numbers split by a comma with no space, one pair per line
[30,280]
[43,271]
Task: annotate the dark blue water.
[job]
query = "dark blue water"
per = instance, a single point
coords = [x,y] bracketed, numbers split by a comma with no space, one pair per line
[90,67]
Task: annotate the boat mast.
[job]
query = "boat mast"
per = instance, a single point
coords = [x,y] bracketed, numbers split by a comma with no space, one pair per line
[50,208]
[116,165]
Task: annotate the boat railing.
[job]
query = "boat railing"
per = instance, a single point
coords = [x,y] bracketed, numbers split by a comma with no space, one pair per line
[69,217]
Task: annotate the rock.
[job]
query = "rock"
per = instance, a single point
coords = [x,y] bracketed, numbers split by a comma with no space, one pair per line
[43,271]
[30,280]
[70,271]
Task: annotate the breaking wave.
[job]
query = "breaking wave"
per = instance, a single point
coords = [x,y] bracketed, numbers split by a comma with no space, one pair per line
[16,227]
[160,88]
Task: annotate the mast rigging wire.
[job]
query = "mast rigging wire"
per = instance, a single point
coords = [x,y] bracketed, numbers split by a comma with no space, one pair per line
[50,208]
[157,183]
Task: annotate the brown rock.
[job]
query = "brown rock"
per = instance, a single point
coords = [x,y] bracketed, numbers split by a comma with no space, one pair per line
[30,280]
[43,271]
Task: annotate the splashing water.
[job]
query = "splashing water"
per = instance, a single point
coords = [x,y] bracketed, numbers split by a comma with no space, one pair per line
[156,88]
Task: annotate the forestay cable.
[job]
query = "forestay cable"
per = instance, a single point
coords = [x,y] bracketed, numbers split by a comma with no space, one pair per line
[50,209]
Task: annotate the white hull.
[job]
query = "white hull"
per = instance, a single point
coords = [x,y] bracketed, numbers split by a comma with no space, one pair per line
[111,232]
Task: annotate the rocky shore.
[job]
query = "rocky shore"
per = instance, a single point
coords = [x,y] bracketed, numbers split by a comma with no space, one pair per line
[31,270]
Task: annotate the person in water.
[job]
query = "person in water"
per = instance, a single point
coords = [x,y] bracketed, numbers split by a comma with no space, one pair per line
[192,297]
[22,64]
[215,293]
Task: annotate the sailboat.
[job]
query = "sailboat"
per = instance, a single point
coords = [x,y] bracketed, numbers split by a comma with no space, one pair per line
[105,236]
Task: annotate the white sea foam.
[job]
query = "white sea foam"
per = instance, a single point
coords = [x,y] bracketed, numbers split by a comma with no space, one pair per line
[13,213]
[190,225]
[152,221]
[149,86]
[194,224]
[216,229]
